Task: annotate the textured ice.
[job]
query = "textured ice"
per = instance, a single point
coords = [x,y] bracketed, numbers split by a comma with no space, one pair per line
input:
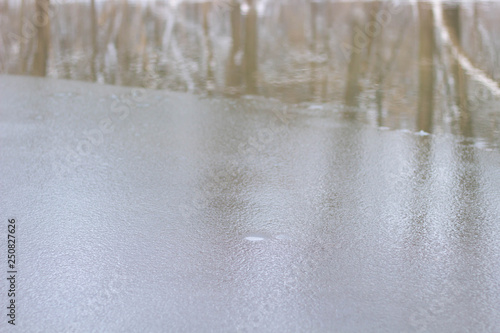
[135,209]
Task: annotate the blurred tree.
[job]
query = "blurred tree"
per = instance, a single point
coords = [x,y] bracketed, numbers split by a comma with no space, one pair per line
[42,19]
[425,68]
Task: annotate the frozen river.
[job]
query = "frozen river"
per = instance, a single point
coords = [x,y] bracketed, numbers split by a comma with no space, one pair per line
[150,211]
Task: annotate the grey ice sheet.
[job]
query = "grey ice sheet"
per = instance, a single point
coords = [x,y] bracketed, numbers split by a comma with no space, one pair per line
[150,211]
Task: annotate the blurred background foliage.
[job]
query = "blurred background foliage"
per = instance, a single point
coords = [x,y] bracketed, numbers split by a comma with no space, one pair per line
[383,63]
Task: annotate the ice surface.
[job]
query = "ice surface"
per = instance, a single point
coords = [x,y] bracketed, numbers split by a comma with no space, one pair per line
[151,211]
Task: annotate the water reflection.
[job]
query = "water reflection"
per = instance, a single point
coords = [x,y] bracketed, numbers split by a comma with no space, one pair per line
[40,57]
[410,214]
[452,20]
[352,89]
[233,70]
[251,48]
[350,227]
[425,68]
[359,55]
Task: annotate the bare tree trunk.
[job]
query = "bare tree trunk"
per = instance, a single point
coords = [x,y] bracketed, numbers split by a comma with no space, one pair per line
[93,23]
[425,68]
[43,38]
[251,51]
[354,68]
[210,79]
[451,15]
[233,74]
